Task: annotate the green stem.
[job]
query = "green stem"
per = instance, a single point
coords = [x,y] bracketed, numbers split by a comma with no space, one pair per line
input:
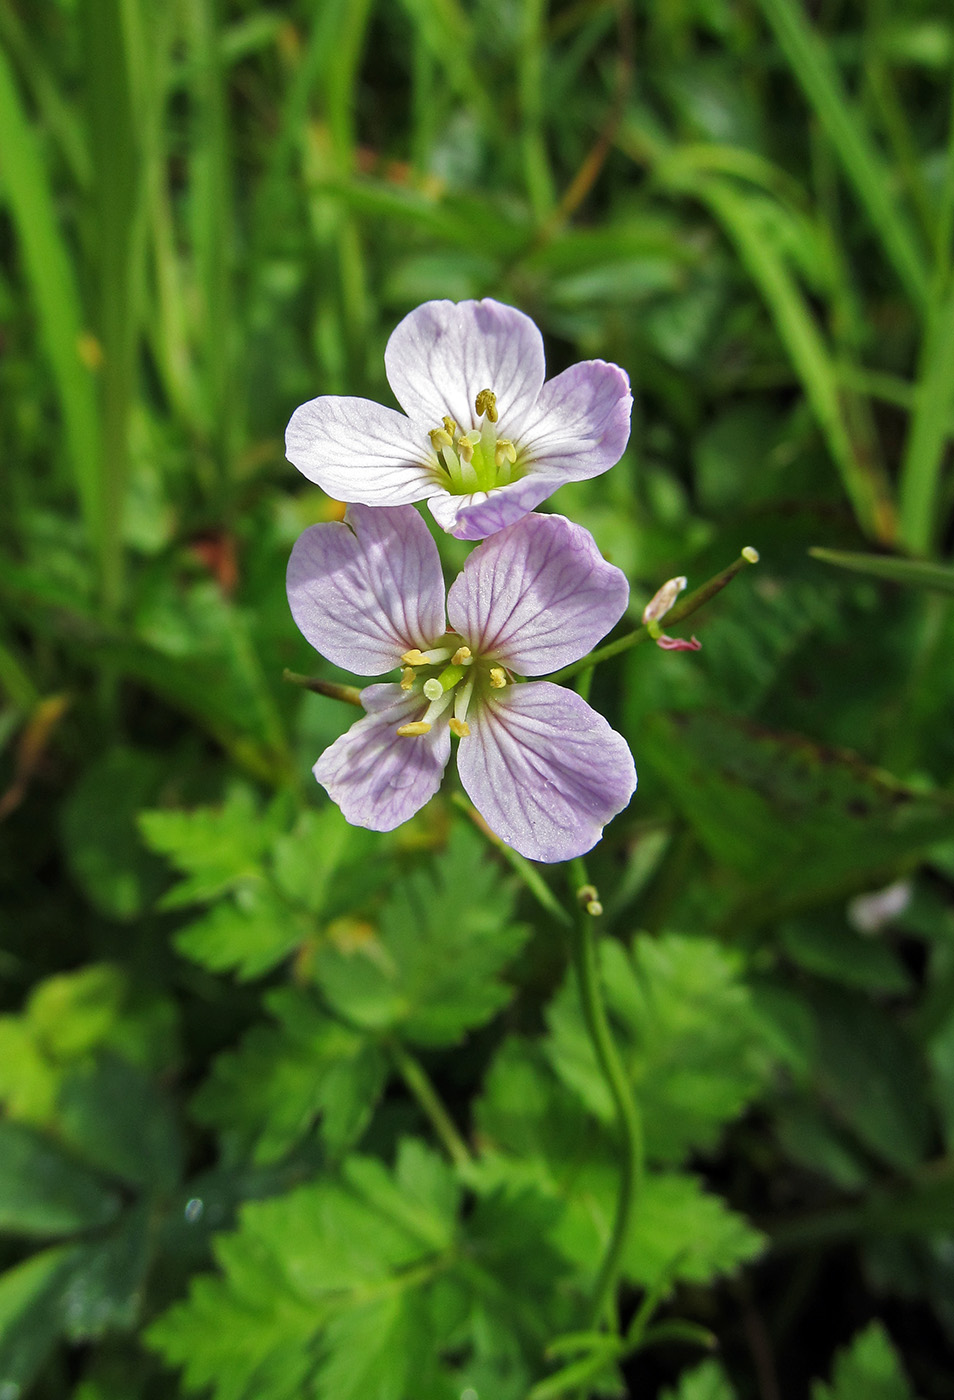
[428,1099]
[631,1168]
[681,610]
[333,689]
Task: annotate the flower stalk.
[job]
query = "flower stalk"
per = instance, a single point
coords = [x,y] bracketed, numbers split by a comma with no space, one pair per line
[586,968]
[690,604]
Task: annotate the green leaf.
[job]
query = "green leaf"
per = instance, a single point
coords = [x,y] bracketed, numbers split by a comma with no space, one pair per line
[247,935]
[42,1192]
[266,1096]
[118,1119]
[869,1369]
[798,822]
[705,1382]
[431,971]
[872,1076]
[914,573]
[535,1139]
[31,1314]
[312,1275]
[690,1036]
[103,849]
[216,848]
[682,1230]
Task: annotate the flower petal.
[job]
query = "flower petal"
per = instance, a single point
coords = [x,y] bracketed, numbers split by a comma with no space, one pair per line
[485,512]
[580,422]
[544,770]
[357,450]
[537,595]
[378,777]
[442,354]
[366,589]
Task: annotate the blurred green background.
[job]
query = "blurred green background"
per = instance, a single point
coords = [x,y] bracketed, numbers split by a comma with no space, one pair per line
[211,211]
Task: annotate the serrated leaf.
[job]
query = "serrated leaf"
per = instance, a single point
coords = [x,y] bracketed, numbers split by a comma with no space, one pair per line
[431,969]
[534,1138]
[265,1096]
[868,1369]
[705,1382]
[308,1275]
[872,1076]
[799,823]
[690,1037]
[248,935]
[216,848]
[43,1192]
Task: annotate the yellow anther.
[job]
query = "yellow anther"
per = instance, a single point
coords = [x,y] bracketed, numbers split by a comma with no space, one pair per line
[463,656]
[498,677]
[450,427]
[466,450]
[417,726]
[486,403]
[407,678]
[440,439]
[414,657]
[504,452]
[460,727]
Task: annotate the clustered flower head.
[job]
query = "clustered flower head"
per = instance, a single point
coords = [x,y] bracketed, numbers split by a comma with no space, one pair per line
[483,440]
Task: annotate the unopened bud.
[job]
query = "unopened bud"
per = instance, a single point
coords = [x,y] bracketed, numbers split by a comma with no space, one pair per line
[750,555]
[661,601]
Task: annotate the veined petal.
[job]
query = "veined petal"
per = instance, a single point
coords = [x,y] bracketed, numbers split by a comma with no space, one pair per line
[544,770]
[537,595]
[443,353]
[377,777]
[367,589]
[357,450]
[485,512]
[580,422]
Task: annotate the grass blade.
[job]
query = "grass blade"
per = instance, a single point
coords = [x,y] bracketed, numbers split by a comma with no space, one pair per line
[24,185]
[915,573]
[812,65]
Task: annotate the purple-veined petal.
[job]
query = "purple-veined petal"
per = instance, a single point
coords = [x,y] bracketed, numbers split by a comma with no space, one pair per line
[580,422]
[442,354]
[357,450]
[476,516]
[537,595]
[544,770]
[378,777]
[366,589]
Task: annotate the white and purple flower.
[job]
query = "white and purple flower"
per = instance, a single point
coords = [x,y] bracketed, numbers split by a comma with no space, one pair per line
[485,440]
[544,770]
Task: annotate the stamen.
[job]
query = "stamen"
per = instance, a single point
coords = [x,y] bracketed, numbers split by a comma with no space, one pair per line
[440,439]
[407,678]
[459,727]
[463,656]
[486,403]
[450,427]
[462,700]
[505,452]
[414,657]
[417,726]
[498,677]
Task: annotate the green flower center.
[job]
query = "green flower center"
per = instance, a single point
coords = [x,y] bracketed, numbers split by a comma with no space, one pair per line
[447,676]
[478,460]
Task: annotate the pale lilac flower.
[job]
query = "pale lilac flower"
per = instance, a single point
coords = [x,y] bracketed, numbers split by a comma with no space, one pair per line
[485,440]
[545,771]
